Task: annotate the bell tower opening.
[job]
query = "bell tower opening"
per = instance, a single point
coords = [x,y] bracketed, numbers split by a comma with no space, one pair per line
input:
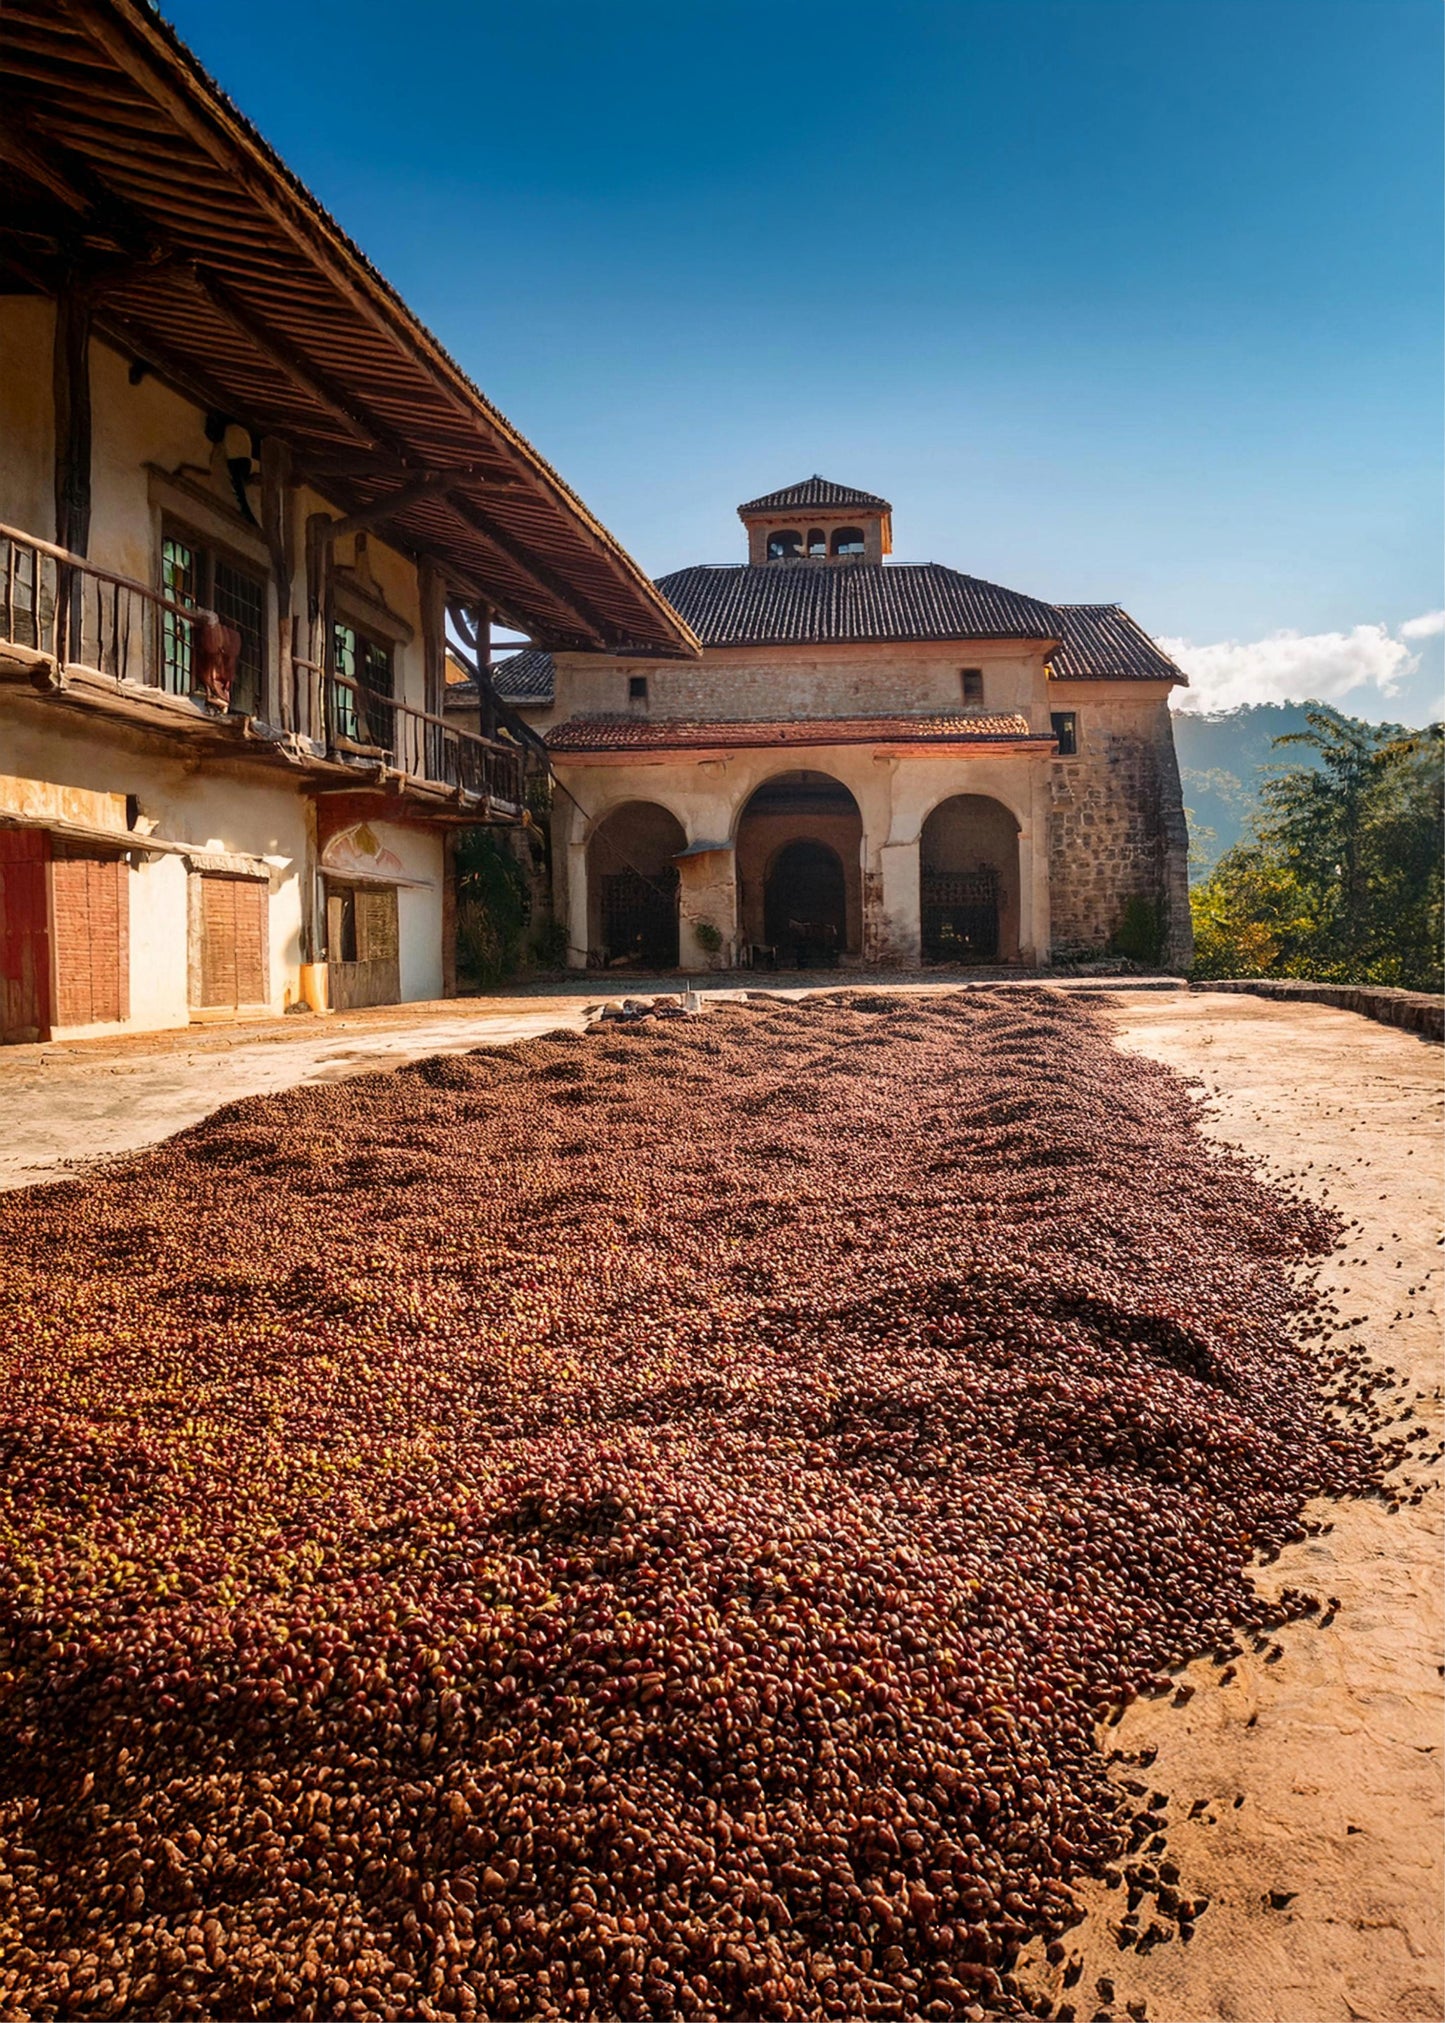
[817,522]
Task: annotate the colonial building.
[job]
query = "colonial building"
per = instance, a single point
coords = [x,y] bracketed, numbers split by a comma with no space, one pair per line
[872,763]
[244,497]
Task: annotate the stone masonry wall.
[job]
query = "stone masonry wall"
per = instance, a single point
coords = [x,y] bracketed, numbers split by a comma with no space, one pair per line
[1117,828]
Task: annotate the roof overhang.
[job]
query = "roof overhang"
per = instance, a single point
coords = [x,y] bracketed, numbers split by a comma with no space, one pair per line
[127,174]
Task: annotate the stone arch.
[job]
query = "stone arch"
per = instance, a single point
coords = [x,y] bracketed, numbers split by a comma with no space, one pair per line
[805,908]
[785,544]
[848,541]
[632,881]
[970,888]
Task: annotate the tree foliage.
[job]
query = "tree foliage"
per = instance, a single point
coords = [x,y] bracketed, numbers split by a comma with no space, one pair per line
[493,907]
[1341,880]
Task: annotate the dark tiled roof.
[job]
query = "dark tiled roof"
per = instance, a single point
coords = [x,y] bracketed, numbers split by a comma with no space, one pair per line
[521,677]
[781,603]
[631,734]
[811,603]
[815,491]
[1102,643]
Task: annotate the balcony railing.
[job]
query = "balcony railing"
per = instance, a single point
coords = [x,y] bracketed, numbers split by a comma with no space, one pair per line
[67,610]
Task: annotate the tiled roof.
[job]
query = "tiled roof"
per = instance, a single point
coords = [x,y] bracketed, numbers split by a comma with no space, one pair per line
[636,734]
[782,603]
[815,491]
[521,677]
[1102,643]
[811,603]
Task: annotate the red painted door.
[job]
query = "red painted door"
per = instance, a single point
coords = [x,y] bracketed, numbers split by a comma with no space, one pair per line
[24,936]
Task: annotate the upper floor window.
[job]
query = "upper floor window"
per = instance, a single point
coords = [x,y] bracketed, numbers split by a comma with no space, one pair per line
[972,679]
[203,577]
[786,546]
[817,541]
[848,541]
[1065,724]
[363,696]
[637,688]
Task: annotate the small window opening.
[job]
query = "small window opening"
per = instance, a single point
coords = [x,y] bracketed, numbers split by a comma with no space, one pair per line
[817,541]
[1065,724]
[972,687]
[786,546]
[848,541]
[637,688]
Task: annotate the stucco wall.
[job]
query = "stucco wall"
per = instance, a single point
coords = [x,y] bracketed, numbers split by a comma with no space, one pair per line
[211,806]
[894,794]
[141,433]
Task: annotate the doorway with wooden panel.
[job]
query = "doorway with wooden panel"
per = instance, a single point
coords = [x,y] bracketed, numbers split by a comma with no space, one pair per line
[363,945]
[230,944]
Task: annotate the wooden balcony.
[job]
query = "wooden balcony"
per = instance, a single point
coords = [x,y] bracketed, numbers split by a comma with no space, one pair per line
[92,639]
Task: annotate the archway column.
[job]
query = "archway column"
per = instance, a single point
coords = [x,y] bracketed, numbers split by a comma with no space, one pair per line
[900,927]
[569,879]
[708,895]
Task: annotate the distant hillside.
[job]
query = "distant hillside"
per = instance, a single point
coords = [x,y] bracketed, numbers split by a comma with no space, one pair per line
[1222,762]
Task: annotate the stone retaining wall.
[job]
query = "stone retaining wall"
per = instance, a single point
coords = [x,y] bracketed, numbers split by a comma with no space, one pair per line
[1416,1010]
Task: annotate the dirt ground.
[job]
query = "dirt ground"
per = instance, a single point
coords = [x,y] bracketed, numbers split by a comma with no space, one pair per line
[1305,1795]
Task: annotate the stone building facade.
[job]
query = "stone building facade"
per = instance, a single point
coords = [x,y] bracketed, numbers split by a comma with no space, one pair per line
[871,764]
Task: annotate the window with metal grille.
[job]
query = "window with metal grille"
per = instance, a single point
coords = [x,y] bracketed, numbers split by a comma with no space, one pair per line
[972,680]
[1065,724]
[364,694]
[205,578]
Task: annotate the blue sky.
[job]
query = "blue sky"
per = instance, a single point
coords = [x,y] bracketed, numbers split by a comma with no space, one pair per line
[1133,299]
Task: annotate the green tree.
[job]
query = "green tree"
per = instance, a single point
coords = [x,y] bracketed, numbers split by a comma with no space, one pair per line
[493,907]
[1342,879]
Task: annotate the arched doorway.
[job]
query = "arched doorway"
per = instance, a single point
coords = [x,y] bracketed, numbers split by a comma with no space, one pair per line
[805,905]
[968,863]
[799,870]
[632,888]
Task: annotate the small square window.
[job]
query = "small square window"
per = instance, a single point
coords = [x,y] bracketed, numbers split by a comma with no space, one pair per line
[972,687]
[1065,724]
[637,688]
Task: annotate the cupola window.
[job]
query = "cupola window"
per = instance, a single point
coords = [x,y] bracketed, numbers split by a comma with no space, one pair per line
[817,541]
[848,541]
[786,546]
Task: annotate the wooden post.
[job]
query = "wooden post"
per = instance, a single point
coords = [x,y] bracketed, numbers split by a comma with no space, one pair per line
[433,590]
[486,714]
[72,420]
[275,525]
[71,376]
[318,613]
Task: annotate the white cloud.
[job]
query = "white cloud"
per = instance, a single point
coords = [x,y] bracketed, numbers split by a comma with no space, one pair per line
[1424,627]
[1297,667]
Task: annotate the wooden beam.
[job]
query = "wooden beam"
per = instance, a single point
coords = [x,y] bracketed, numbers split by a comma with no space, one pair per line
[276,500]
[71,377]
[426,485]
[482,523]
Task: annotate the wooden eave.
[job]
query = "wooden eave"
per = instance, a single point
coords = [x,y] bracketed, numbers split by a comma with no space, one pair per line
[125,171]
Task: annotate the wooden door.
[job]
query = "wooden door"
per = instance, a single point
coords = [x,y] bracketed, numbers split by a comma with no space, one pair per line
[90,914]
[363,946]
[24,936]
[233,970]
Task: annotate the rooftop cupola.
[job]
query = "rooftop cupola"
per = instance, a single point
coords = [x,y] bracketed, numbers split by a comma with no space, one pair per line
[818,521]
